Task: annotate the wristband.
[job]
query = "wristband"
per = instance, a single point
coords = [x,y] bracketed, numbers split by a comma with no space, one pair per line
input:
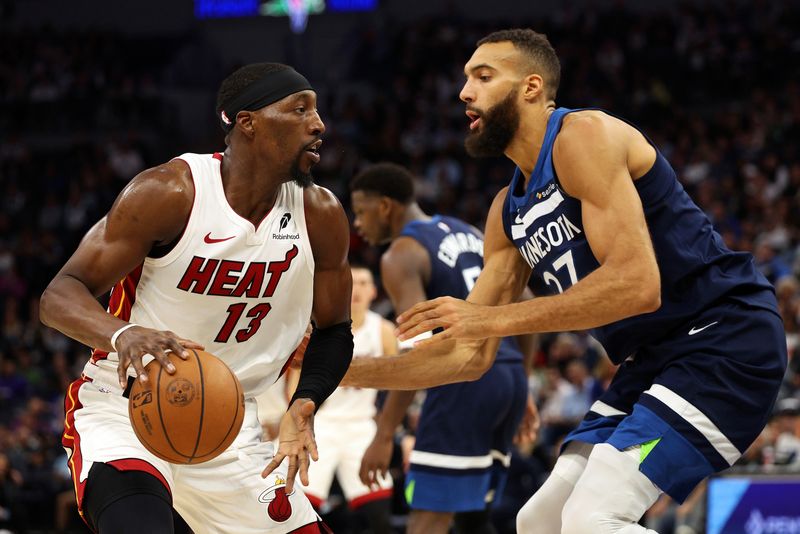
[116,334]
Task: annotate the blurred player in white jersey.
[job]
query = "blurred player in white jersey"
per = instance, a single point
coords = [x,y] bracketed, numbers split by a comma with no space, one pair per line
[345,425]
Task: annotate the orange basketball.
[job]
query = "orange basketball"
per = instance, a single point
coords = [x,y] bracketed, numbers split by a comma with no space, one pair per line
[191,416]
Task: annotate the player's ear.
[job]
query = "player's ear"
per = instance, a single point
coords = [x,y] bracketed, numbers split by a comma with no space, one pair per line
[384,205]
[534,86]
[245,121]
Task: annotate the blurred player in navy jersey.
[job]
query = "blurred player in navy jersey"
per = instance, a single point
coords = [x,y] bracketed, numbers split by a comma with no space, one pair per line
[462,448]
[595,217]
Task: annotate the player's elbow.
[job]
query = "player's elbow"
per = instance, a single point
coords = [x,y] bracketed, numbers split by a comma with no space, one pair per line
[46,306]
[647,292]
[477,365]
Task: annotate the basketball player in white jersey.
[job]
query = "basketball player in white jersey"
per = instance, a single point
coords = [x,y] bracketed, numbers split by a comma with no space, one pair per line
[345,425]
[234,252]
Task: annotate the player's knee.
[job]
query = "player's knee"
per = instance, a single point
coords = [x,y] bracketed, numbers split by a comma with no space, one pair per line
[531,517]
[575,520]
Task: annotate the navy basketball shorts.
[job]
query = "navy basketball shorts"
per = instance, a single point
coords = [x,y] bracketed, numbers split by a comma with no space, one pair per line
[695,401]
[465,433]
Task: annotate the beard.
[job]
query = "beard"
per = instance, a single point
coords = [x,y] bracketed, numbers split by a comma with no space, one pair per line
[498,126]
[303,179]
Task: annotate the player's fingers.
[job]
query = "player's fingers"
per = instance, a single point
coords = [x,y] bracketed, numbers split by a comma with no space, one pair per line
[141,374]
[371,480]
[291,474]
[174,345]
[276,461]
[311,446]
[363,474]
[404,330]
[188,344]
[435,338]
[303,461]
[163,359]
[122,370]
[417,309]
[414,331]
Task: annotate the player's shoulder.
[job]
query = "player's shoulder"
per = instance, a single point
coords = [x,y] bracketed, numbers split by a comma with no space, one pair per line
[326,223]
[404,249]
[585,123]
[166,183]
[582,130]
[164,190]
[322,207]
[405,259]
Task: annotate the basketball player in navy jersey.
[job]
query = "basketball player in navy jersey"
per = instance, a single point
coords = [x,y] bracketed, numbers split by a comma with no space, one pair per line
[463,440]
[236,251]
[597,219]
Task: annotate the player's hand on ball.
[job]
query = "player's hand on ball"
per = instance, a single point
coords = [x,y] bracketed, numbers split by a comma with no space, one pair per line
[458,318]
[135,342]
[375,462]
[296,442]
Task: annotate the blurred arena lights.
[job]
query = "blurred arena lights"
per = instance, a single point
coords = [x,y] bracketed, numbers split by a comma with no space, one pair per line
[297,10]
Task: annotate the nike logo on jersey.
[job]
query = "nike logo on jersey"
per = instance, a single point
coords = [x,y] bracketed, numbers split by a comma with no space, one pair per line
[694,330]
[210,240]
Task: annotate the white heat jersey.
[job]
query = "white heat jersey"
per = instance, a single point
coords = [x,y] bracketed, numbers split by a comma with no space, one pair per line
[244,292]
[357,403]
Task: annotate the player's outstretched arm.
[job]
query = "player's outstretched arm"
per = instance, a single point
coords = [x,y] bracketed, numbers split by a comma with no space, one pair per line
[152,209]
[591,157]
[434,362]
[330,347]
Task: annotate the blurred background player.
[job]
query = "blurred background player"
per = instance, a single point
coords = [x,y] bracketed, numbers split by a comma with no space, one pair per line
[463,441]
[345,425]
[236,250]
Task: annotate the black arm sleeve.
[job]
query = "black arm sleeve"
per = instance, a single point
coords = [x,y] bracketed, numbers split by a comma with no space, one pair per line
[326,361]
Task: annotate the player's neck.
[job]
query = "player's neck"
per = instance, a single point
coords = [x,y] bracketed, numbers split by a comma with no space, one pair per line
[250,189]
[412,213]
[524,148]
[358,318]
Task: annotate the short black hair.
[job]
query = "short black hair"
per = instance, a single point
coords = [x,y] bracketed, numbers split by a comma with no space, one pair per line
[386,179]
[242,78]
[542,55]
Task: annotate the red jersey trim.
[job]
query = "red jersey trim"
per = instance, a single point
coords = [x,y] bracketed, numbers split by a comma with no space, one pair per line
[370,497]
[318,527]
[315,501]
[120,304]
[136,464]
[71,440]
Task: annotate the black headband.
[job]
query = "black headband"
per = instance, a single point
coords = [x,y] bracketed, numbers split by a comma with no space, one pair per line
[271,88]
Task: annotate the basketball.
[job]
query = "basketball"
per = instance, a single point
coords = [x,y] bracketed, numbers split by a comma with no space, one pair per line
[191,416]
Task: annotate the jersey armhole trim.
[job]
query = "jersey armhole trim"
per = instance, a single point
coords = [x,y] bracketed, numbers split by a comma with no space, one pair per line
[300,204]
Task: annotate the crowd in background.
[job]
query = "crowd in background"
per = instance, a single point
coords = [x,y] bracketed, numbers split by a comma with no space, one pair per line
[82,112]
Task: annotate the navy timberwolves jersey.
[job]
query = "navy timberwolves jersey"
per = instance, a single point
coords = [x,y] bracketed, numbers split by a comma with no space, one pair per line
[696,268]
[456,252]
